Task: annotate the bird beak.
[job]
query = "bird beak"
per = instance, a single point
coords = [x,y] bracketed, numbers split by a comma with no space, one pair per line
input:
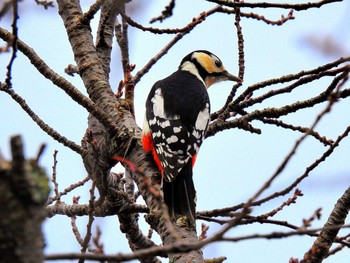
[229,76]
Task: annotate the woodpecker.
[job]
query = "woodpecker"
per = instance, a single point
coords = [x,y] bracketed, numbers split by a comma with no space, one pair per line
[176,120]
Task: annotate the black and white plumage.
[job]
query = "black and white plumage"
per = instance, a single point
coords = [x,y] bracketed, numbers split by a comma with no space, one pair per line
[176,120]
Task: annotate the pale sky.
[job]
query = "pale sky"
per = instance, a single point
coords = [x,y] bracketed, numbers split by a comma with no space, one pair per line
[231,166]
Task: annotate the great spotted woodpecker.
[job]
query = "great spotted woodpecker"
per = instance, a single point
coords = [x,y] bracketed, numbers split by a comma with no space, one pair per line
[176,120]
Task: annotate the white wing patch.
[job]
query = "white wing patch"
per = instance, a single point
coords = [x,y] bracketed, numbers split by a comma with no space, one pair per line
[202,119]
[158,104]
[158,109]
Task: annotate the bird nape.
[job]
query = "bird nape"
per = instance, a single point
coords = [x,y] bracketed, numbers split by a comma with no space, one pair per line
[176,120]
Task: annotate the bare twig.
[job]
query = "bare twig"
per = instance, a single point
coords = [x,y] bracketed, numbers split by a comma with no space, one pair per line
[46,4]
[325,141]
[290,201]
[316,214]
[278,235]
[218,9]
[59,81]
[13,43]
[297,7]
[241,122]
[89,15]
[101,209]
[160,54]
[96,240]
[123,42]
[311,167]
[6,6]
[182,247]
[203,234]
[268,21]
[166,13]
[54,181]
[241,60]
[74,225]
[88,234]
[67,190]
[46,128]
[298,142]
[288,78]
[298,83]
[335,222]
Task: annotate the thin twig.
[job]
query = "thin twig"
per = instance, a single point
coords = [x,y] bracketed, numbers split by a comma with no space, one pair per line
[101,209]
[224,111]
[94,8]
[13,43]
[218,9]
[46,128]
[67,190]
[177,247]
[288,78]
[325,239]
[279,235]
[91,217]
[298,142]
[242,122]
[290,201]
[45,3]
[75,229]
[166,13]
[308,170]
[58,80]
[199,19]
[325,141]
[297,7]
[53,180]
[268,21]
[298,83]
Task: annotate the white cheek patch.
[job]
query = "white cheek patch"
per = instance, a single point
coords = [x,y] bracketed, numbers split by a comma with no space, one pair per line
[189,66]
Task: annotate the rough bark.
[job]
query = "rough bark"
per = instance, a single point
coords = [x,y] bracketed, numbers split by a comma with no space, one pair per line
[325,239]
[23,192]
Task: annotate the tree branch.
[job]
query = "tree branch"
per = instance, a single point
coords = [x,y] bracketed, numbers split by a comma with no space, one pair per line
[325,239]
[13,42]
[297,7]
[56,79]
[23,192]
[46,128]
[240,122]
[160,54]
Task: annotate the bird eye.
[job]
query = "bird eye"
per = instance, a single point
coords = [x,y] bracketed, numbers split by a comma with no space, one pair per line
[218,63]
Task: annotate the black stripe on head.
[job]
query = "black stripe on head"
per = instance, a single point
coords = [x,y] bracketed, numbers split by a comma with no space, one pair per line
[201,70]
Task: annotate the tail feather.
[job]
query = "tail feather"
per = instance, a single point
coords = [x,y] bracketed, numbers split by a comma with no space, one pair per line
[180,195]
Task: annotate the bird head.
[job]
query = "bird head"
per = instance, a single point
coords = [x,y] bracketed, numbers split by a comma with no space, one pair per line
[207,67]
